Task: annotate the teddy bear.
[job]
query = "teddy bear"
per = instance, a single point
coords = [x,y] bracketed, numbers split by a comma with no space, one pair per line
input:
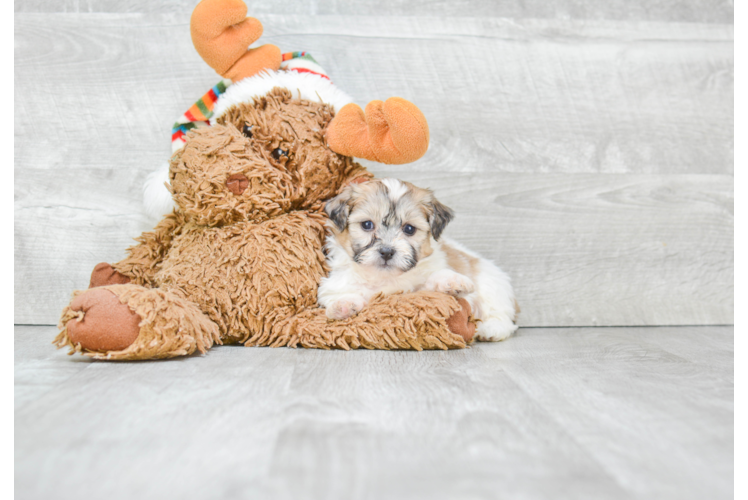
[240,256]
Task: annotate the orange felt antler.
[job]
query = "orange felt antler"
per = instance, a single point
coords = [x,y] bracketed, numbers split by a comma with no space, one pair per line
[394,131]
[222,33]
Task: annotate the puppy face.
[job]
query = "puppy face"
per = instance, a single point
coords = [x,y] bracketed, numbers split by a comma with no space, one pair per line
[387,224]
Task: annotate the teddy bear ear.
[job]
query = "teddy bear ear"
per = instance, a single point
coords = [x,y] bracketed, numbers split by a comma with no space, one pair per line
[221,33]
[393,132]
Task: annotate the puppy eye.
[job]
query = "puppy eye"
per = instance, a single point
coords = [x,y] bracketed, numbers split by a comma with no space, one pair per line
[367,225]
[409,230]
[247,130]
[278,152]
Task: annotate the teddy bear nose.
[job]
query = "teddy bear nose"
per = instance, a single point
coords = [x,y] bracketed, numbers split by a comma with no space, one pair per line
[237,183]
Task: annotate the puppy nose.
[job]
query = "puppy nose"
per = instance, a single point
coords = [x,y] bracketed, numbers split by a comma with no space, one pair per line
[237,183]
[386,253]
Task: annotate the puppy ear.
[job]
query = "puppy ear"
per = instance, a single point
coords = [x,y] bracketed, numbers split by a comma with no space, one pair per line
[439,217]
[338,208]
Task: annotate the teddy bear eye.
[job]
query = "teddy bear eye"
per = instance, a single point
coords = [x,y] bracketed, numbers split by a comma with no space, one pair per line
[278,152]
[409,230]
[367,225]
[247,130]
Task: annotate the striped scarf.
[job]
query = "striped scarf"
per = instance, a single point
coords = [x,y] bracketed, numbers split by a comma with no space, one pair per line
[200,113]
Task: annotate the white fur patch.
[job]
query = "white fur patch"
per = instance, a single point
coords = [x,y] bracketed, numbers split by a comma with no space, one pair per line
[157,199]
[396,188]
[302,85]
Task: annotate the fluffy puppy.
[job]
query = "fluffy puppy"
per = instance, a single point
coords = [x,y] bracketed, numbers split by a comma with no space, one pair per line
[386,237]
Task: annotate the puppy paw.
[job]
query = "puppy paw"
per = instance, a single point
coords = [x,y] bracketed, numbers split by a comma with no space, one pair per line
[345,307]
[450,282]
[494,329]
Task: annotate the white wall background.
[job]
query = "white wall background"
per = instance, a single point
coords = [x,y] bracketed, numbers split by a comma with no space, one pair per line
[586,146]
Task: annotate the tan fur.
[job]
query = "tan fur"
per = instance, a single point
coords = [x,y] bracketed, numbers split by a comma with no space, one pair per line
[227,267]
[426,249]
[459,261]
[344,237]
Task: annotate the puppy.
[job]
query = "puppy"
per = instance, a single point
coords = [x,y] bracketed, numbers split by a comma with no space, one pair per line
[386,237]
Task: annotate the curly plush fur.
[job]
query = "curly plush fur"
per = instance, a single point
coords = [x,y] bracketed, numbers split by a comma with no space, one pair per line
[240,258]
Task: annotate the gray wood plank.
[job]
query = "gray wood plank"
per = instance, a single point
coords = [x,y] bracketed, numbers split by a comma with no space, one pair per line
[514,107]
[37,369]
[626,383]
[739,211]
[535,96]
[702,11]
[548,97]
[569,413]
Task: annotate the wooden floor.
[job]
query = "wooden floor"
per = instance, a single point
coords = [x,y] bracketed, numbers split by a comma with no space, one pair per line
[613,413]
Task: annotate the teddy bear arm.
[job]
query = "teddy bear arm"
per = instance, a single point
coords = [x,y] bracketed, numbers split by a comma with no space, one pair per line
[418,321]
[144,259]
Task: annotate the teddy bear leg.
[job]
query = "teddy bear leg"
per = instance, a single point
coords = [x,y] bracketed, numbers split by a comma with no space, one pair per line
[132,322]
[460,322]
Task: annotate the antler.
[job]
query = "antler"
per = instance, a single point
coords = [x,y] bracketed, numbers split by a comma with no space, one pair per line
[394,131]
[221,33]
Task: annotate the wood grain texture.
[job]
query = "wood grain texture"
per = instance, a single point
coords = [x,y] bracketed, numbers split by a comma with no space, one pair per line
[617,413]
[700,11]
[641,113]
[538,96]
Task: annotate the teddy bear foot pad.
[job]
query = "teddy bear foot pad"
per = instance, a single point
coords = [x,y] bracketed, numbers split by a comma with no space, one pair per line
[102,322]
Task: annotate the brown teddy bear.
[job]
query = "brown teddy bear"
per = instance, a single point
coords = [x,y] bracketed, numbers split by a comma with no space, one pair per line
[240,257]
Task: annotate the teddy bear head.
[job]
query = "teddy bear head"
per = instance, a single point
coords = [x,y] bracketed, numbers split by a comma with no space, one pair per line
[290,134]
[261,159]
[281,138]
